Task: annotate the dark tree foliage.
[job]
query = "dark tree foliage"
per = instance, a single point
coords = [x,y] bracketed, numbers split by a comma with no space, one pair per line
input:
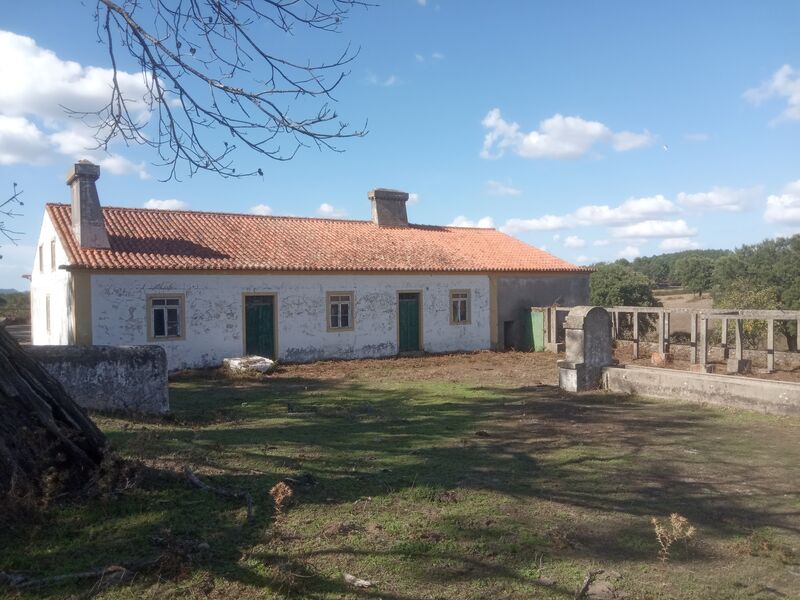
[219,65]
[617,284]
[695,273]
[764,275]
[662,268]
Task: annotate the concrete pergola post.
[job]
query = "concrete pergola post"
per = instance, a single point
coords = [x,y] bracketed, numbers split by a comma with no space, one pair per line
[738,364]
[635,317]
[661,342]
[693,340]
[725,339]
[770,345]
[703,355]
[666,332]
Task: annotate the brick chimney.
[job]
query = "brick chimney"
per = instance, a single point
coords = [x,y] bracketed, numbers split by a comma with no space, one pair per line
[87,218]
[388,207]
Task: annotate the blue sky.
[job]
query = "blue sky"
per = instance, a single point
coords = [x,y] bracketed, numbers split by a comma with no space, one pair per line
[595,130]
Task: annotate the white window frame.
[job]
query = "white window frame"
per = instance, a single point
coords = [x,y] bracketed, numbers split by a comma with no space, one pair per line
[156,302]
[338,299]
[462,297]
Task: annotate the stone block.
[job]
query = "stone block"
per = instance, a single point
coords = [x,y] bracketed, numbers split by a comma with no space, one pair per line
[736,365]
[661,360]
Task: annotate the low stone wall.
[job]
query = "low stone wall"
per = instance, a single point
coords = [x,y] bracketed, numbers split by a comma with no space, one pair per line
[773,397]
[116,378]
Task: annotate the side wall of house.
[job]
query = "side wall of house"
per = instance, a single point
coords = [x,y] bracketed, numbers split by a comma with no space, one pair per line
[214,320]
[516,293]
[48,281]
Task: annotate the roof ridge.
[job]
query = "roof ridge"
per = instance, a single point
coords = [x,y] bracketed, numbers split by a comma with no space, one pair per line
[215,212]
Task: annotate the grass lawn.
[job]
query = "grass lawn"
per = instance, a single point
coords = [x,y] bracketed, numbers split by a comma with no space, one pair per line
[436,477]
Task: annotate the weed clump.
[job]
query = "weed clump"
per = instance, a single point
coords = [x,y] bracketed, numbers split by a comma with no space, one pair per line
[677,529]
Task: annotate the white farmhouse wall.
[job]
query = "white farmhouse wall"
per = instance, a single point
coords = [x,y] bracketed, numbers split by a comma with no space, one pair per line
[53,283]
[214,319]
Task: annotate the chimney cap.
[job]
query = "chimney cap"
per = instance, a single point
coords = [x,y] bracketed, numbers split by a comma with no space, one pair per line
[83,169]
[387,194]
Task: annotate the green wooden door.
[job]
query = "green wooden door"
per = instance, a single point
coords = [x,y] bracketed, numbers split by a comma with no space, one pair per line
[537,330]
[259,326]
[409,322]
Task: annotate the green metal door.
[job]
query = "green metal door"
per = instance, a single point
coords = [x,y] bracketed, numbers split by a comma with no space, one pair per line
[259,326]
[409,322]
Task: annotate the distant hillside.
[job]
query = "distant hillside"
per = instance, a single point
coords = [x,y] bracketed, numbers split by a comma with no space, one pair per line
[8,291]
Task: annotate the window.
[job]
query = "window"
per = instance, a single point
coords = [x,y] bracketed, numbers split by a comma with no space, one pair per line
[340,311]
[166,317]
[47,313]
[459,307]
[52,255]
[41,258]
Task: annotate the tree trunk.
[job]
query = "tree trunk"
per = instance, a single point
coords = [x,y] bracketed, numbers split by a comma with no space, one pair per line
[49,448]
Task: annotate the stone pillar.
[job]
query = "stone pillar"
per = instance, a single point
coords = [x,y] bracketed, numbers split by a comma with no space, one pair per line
[666,333]
[635,317]
[700,345]
[693,339]
[588,334]
[703,355]
[661,346]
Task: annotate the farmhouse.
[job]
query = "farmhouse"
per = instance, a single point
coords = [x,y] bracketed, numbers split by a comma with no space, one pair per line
[206,286]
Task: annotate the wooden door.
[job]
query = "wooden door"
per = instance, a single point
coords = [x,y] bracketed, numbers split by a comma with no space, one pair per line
[409,322]
[259,326]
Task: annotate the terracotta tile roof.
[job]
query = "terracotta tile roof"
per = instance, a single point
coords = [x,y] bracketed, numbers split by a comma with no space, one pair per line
[145,239]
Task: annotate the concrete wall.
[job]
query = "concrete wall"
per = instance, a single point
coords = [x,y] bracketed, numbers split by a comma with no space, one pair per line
[773,397]
[214,319]
[516,293]
[57,285]
[129,379]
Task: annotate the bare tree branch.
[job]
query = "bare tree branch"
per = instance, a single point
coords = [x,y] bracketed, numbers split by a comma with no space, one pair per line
[206,67]
[7,210]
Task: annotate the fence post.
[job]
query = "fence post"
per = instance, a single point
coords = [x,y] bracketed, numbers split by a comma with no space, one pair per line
[703,357]
[635,316]
[661,349]
[693,339]
[770,345]
[724,334]
[666,332]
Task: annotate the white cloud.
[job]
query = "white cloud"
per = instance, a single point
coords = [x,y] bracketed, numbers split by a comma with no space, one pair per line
[721,198]
[462,221]
[600,243]
[678,243]
[696,137]
[437,56]
[573,241]
[419,57]
[36,88]
[168,204]
[119,165]
[654,229]
[629,252]
[784,208]
[422,2]
[413,198]
[328,210]
[558,137]
[498,188]
[545,223]
[21,142]
[389,81]
[261,209]
[633,209]
[784,83]
[583,260]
